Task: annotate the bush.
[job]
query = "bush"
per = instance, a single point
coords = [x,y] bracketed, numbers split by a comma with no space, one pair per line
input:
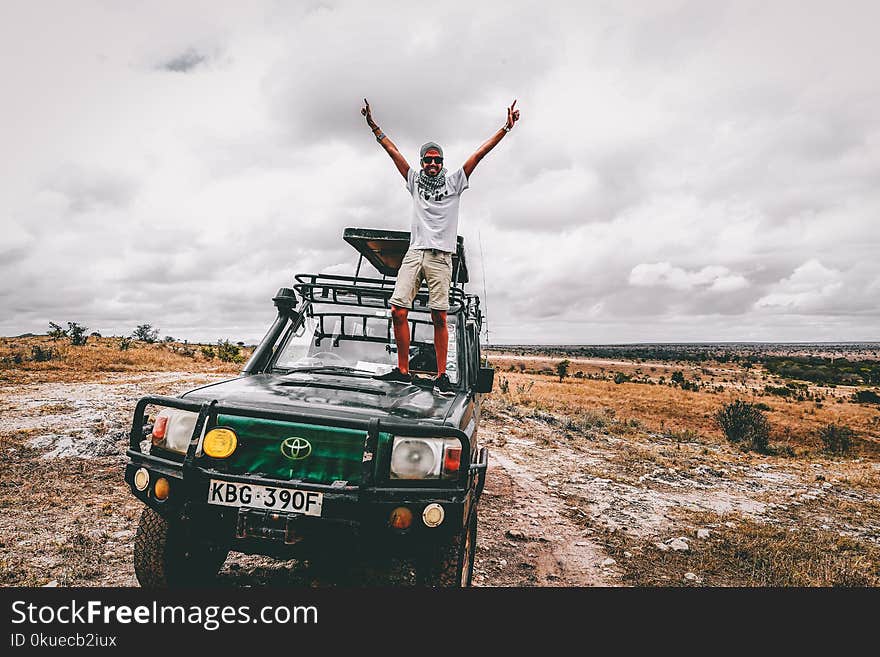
[743,422]
[866,397]
[504,385]
[146,333]
[620,377]
[228,352]
[124,343]
[207,352]
[678,377]
[562,369]
[41,355]
[77,334]
[56,331]
[837,438]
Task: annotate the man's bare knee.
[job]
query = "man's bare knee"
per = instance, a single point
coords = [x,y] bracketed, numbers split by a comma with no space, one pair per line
[398,314]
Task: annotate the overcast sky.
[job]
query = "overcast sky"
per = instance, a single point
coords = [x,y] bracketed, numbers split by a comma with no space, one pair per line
[682,171]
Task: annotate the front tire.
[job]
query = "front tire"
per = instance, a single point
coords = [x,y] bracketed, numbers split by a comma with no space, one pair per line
[451,565]
[167,555]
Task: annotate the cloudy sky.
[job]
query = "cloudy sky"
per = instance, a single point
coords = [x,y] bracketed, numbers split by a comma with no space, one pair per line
[682,171]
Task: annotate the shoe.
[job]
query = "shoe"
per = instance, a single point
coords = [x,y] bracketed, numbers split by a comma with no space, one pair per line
[443,386]
[395,376]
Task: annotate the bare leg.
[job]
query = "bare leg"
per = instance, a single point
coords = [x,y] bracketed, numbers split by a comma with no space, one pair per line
[401,336]
[441,339]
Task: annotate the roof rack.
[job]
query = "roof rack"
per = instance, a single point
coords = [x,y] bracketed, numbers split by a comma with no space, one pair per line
[370,292]
[384,249]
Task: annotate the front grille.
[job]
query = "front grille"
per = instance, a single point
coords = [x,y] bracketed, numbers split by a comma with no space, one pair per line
[334,454]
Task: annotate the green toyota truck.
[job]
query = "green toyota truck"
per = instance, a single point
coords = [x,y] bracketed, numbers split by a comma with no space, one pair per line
[305,455]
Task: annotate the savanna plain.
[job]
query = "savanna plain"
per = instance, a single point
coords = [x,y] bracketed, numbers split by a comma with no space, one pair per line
[615,465]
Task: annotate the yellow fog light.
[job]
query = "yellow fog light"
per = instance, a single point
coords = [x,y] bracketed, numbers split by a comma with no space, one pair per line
[433,515]
[162,488]
[220,443]
[141,479]
[401,518]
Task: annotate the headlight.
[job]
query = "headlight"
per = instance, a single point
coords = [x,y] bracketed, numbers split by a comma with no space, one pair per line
[220,443]
[173,429]
[425,458]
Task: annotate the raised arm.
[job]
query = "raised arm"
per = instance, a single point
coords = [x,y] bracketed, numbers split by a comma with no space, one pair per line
[512,117]
[399,160]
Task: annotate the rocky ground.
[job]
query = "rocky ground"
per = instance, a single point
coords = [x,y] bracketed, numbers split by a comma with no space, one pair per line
[577,500]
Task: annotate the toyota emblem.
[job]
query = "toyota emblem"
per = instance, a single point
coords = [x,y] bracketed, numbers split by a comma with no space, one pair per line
[295,448]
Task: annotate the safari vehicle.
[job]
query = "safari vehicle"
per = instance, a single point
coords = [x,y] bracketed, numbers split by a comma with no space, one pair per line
[305,455]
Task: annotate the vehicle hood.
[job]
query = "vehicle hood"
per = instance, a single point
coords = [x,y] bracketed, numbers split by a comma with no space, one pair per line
[332,394]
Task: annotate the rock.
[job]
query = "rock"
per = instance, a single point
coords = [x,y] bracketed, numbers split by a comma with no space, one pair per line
[730,525]
[691,577]
[125,533]
[581,543]
[516,535]
[51,584]
[703,533]
[661,546]
[502,563]
[826,485]
[679,545]
[608,562]
[627,554]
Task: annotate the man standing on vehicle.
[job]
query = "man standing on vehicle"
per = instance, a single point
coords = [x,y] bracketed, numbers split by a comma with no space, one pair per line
[433,240]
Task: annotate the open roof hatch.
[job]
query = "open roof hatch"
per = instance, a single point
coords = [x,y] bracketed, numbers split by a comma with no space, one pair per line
[384,249]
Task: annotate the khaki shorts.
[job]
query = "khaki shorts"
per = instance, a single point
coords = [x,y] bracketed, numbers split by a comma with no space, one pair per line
[432,265]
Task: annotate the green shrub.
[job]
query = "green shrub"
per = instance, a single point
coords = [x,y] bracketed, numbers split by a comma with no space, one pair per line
[743,422]
[228,352]
[207,352]
[837,438]
[146,333]
[77,333]
[562,369]
[124,343]
[866,397]
[620,377]
[40,355]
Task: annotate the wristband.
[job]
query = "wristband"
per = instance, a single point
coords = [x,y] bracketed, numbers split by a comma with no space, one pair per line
[505,128]
[380,136]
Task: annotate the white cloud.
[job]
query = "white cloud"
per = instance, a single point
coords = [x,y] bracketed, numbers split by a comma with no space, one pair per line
[150,150]
[662,274]
[810,287]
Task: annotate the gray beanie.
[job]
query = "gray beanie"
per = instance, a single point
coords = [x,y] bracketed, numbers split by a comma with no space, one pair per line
[426,147]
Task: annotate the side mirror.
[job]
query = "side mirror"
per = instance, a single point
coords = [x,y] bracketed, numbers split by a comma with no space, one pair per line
[485,379]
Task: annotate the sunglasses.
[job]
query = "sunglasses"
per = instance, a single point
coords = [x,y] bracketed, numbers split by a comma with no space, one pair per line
[432,160]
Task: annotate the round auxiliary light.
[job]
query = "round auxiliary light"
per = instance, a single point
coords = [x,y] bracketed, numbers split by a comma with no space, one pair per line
[433,515]
[161,489]
[220,443]
[141,479]
[401,518]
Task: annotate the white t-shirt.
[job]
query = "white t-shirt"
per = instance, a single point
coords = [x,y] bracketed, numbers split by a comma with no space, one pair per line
[435,219]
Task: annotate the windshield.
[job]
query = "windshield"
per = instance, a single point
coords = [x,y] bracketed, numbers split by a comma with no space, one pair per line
[357,339]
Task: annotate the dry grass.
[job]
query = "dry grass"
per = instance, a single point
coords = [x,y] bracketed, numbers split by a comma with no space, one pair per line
[748,554]
[672,411]
[100,356]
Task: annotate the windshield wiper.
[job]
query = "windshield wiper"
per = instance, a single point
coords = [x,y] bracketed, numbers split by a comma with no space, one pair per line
[330,369]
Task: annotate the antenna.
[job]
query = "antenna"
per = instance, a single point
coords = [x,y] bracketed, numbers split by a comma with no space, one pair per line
[485,294]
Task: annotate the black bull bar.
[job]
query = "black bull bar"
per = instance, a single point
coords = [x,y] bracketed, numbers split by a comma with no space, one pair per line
[366,491]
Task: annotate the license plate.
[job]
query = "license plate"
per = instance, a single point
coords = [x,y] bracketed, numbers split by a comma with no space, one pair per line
[228,493]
